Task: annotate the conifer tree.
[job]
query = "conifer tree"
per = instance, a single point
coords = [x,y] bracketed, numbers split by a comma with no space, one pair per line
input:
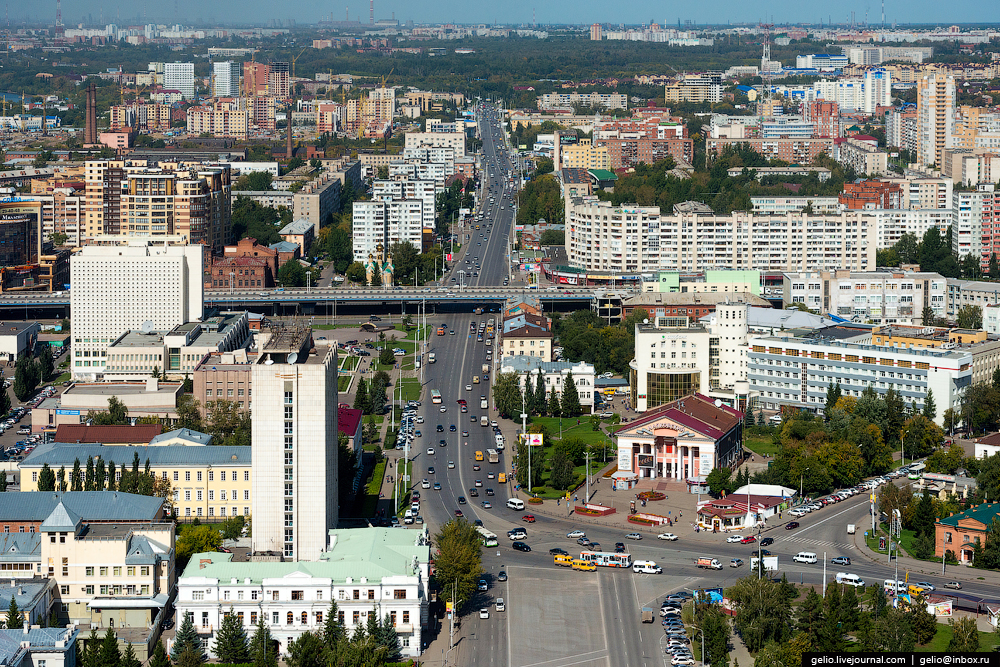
[76,477]
[262,652]
[160,657]
[231,640]
[129,659]
[15,621]
[187,636]
[554,403]
[109,655]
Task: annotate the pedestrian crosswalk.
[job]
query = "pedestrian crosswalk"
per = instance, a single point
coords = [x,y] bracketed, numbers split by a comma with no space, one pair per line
[818,543]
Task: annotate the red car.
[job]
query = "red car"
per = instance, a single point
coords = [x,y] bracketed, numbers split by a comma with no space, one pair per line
[461,401]
[528,518]
[791,525]
[458,514]
[749,539]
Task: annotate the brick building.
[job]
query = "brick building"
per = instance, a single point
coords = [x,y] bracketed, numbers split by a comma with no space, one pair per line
[871,194]
[960,532]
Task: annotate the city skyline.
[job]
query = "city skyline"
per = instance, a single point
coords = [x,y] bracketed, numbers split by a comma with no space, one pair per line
[719,12]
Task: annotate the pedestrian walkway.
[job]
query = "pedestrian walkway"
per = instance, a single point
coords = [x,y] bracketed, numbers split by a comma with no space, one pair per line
[962,573]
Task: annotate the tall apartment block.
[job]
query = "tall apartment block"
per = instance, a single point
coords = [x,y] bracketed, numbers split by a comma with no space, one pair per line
[226,79]
[170,199]
[179,76]
[975,227]
[935,116]
[294,444]
[121,286]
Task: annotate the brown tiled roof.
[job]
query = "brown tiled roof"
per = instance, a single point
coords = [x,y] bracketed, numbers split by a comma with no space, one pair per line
[73,433]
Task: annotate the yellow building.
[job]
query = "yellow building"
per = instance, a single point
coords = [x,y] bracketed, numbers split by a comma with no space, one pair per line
[213,482]
[913,337]
[584,155]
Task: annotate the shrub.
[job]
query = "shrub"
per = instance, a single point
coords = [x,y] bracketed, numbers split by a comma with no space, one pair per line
[534,501]
[652,495]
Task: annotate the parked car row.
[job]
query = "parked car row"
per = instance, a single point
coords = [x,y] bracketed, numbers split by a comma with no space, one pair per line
[407,425]
[678,643]
[844,494]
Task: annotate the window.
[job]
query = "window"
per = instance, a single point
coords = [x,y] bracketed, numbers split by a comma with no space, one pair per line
[195,595]
[253,618]
[187,475]
[305,618]
[298,595]
[118,570]
[64,590]
[371,594]
[274,618]
[319,595]
[225,595]
[144,570]
[90,570]
[104,571]
[399,594]
[199,475]
[253,594]
[89,590]
[355,617]
[274,595]
[288,618]
[130,571]
[357,596]
[406,618]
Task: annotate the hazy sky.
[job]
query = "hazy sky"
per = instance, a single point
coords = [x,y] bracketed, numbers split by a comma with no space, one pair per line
[550,11]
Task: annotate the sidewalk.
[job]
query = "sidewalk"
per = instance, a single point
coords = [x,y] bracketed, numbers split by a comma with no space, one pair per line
[962,573]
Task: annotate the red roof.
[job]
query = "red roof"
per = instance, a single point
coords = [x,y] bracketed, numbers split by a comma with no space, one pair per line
[696,412]
[348,420]
[73,433]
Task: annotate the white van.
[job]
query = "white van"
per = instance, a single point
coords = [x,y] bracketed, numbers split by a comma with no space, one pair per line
[646,567]
[850,579]
[515,504]
[892,586]
[409,514]
[805,557]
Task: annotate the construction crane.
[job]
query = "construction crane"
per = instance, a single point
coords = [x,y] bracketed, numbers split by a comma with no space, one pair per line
[295,59]
[383,79]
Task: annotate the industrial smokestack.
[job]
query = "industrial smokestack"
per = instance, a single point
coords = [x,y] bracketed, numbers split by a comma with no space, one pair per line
[371,11]
[90,131]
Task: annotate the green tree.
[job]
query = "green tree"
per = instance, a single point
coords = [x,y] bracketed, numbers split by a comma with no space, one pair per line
[810,619]
[15,621]
[76,477]
[4,403]
[536,399]
[231,640]
[386,357]
[927,316]
[306,651]
[833,394]
[44,364]
[187,639]
[762,613]
[833,632]
[228,423]
[109,655]
[964,633]
[262,650]
[292,274]
[333,629]
[561,476]
[25,377]
[387,638]
[3,481]
[554,406]
[198,539]
[458,561]
[969,317]
[923,623]
[356,273]
[160,657]
[189,658]
[570,403]
[719,481]
[921,436]
[129,659]
[930,407]
[507,394]
[46,479]
[715,630]
[994,270]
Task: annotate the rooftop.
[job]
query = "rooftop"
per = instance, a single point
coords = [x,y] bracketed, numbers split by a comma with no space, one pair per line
[184,434]
[695,207]
[284,246]
[81,433]
[983,513]
[348,420]
[11,642]
[13,328]
[696,412]
[89,505]
[936,352]
[373,552]
[520,363]
[120,388]
[300,226]
[60,454]
[694,298]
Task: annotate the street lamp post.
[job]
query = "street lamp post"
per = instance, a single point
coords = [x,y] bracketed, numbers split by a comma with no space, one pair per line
[801,477]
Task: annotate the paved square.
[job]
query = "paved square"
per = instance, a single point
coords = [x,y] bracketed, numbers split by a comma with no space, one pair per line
[555,619]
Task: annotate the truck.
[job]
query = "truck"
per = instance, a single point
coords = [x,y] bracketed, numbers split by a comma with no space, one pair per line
[486,368]
[851,529]
[647,615]
[431,358]
[708,563]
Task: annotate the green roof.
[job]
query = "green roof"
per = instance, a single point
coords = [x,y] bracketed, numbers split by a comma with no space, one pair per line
[984,513]
[357,552]
[604,175]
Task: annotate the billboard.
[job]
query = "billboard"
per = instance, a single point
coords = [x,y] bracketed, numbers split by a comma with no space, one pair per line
[770,563]
[535,439]
[20,238]
[625,459]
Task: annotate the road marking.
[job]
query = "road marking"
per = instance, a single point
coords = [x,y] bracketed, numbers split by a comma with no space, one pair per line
[604,627]
[595,655]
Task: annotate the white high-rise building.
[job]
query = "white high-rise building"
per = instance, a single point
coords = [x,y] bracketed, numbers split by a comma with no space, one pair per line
[383,223]
[935,116]
[179,76]
[122,286]
[226,79]
[294,444]
[877,90]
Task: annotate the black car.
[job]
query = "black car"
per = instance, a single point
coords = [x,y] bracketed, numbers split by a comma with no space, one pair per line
[440,428]
[452,428]
[473,493]
[520,546]
[762,552]
[619,547]
[558,552]
[791,525]
[501,576]
[478,522]
[766,541]
[461,500]
[489,492]
[442,442]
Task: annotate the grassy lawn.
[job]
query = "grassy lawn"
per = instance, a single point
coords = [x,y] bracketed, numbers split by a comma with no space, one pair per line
[760,444]
[987,640]
[410,388]
[61,378]
[335,326]
[343,383]
[584,431]
[349,363]
[374,484]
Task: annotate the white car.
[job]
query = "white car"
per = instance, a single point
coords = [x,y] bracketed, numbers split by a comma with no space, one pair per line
[676,660]
[667,536]
[576,534]
[451,464]
[468,387]
[484,612]
[443,409]
[734,538]
[633,536]
[430,451]
[426,484]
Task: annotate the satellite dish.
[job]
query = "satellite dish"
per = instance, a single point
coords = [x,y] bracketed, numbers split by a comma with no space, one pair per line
[292,358]
[645,321]
[268,361]
[718,403]
[147,327]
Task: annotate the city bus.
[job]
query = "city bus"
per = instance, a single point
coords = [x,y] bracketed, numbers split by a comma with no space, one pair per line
[435,396]
[492,456]
[605,559]
[488,539]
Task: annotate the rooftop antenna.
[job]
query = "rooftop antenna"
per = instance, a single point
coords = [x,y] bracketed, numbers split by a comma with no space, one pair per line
[371,11]
[59,13]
